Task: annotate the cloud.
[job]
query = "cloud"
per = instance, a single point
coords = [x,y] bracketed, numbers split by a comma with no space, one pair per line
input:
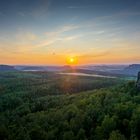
[69,38]
[8,47]
[118,15]
[58,35]
[21,42]
[27,41]
[49,41]
[62,30]
[26,36]
[45,43]
[94,55]
[83,7]
[97,32]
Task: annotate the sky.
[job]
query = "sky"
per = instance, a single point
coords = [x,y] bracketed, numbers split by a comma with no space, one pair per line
[53,32]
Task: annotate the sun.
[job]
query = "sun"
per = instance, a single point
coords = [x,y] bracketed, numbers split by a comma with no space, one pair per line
[71,60]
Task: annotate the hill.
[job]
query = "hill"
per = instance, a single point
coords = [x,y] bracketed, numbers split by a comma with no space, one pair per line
[132,69]
[7,68]
[112,70]
[43,68]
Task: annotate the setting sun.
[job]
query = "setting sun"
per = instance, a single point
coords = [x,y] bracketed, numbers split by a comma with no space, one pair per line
[71,60]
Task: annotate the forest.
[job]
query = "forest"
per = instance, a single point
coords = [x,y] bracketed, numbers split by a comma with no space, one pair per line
[48,106]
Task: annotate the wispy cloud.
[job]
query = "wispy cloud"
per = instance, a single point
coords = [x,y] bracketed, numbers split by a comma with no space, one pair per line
[62,30]
[58,35]
[118,15]
[26,36]
[69,38]
[27,41]
[83,7]
[49,41]
[92,55]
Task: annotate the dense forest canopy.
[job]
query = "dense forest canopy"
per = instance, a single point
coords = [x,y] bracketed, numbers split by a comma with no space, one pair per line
[39,106]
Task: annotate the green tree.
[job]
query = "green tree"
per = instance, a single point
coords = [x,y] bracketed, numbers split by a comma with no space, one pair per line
[115,135]
[81,134]
[68,135]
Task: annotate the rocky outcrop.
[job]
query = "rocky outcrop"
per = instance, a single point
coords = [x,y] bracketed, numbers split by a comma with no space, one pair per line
[138,81]
[132,69]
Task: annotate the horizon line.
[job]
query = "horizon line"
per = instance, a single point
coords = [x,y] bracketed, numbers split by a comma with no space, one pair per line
[72,65]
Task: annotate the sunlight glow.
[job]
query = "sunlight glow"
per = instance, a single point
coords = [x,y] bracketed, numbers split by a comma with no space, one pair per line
[72,60]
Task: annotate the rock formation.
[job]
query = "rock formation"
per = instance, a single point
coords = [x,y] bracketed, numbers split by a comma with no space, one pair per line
[138,81]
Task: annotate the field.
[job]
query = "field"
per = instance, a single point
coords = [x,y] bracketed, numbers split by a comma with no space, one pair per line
[50,106]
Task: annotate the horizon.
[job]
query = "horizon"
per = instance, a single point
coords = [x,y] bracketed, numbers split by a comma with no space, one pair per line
[56,65]
[76,32]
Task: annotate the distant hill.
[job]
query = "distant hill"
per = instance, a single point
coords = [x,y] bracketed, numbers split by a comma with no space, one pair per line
[7,68]
[127,70]
[43,68]
[105,68]
[130,70]
[87,68]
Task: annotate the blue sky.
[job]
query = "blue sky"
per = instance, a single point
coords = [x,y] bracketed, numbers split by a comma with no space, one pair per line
[50,31]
